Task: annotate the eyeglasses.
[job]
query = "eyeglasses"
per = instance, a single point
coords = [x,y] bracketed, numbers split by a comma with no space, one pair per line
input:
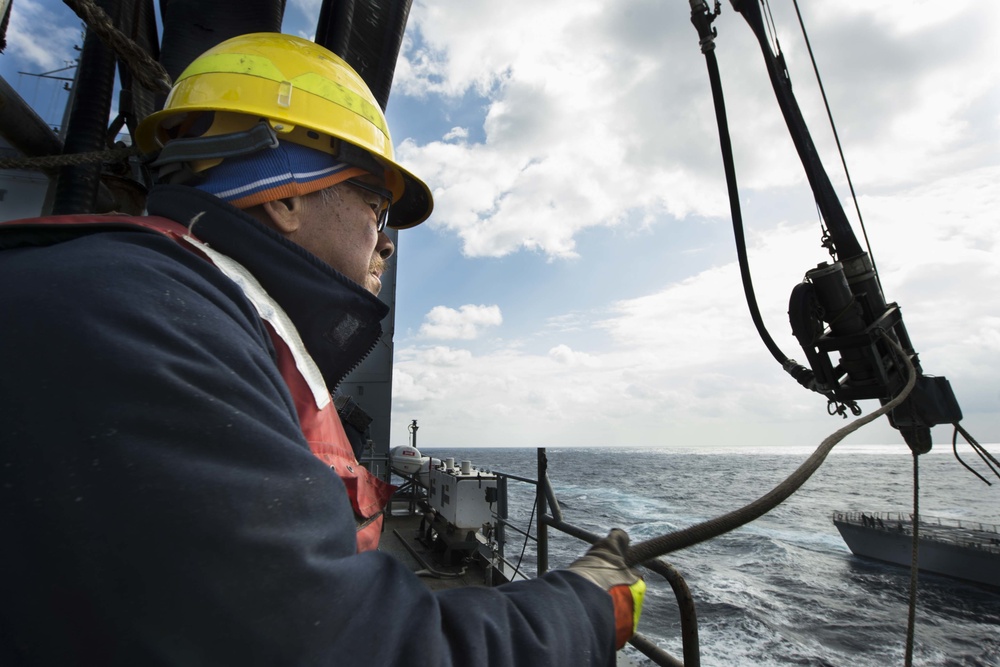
[380,206]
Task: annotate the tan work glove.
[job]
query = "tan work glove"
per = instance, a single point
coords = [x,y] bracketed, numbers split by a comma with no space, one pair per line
[604,564]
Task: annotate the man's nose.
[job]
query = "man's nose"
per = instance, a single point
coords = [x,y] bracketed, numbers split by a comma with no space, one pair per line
[384,247]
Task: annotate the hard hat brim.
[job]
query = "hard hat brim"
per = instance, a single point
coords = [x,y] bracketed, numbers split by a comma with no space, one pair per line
[414,206]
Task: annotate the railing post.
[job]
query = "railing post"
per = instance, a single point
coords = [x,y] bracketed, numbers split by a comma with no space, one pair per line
[501,528]
[543,528]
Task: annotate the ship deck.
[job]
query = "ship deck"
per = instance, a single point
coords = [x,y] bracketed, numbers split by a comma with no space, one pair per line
[955,532]
[402,538]
[444,556]
[959,549]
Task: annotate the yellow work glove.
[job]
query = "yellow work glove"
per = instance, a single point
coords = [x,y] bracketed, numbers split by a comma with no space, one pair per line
[604,565]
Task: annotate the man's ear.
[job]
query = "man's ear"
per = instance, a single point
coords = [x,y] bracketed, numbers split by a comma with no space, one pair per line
[284,215]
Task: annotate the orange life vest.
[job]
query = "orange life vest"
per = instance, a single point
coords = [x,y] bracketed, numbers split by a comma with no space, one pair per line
[317,414]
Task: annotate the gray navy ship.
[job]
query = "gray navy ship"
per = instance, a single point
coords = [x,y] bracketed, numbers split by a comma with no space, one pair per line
[965,550]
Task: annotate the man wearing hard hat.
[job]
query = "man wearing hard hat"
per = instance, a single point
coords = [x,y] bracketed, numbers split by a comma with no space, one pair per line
[176,486]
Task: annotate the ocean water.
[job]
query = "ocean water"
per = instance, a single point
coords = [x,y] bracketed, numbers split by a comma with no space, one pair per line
[785,589]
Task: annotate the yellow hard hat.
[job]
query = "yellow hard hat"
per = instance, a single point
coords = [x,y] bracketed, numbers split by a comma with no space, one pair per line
[308,96]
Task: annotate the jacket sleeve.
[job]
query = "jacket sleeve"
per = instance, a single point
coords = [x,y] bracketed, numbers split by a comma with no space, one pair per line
[160,505]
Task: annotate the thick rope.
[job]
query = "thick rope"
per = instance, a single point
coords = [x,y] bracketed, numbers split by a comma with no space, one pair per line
[147,71]
[55,161]
[911,618]
[664,544]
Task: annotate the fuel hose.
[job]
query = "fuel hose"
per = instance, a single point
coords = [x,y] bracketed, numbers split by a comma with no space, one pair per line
[682,539]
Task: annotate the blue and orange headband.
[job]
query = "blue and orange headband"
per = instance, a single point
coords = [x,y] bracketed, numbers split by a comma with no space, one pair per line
[286,170]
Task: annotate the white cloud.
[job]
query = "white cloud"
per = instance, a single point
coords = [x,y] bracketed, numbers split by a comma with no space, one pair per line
[446,356]
[466,323]
[40,38]
[546,122]
[566,356]
[599,114]
[596,110]
[563,143]
[459,133]
[686,365]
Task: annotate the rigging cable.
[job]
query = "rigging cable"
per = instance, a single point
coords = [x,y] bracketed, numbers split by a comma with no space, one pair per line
[517,568]
[986,457]
[772,29]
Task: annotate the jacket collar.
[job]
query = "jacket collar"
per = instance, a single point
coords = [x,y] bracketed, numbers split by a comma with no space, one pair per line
[337,319]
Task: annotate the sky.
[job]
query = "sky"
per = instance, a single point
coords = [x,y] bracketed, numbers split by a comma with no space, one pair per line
[577,283]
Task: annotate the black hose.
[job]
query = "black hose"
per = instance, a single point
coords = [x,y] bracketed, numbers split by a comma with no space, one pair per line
[702,19]
[191,27]
[734,207]
[367,34]
[77,186]
[333,28]
[845,242]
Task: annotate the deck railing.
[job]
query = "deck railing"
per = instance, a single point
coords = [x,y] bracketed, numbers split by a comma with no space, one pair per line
[959,532]
[548,514]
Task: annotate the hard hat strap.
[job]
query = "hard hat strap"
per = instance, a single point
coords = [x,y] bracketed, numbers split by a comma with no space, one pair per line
[217,147]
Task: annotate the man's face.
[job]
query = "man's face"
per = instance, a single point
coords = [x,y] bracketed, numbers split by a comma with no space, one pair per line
[340,227]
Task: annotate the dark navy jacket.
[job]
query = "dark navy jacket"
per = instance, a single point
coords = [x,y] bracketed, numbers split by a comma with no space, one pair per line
[158,503]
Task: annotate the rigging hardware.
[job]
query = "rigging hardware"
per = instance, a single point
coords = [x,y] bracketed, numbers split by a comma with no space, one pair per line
[839,308]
